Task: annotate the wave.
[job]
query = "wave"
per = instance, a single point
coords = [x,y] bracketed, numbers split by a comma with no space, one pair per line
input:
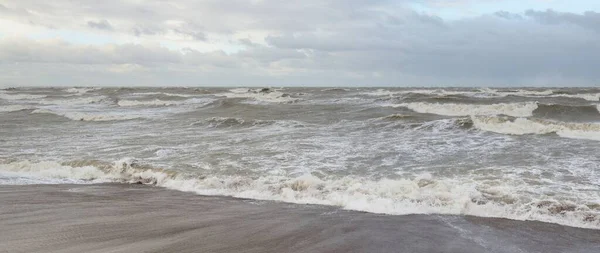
[73,101]
[230,122]
[260,95]
[545,93]
[12,96]
[395,117]
[14,108]
[520,92]
[155,102]
[165,94]
[485,92]
[448,109]
[574,111]
[80,91]
[586,96]
[522,126]
[84,116]
[158,102]
[422,194]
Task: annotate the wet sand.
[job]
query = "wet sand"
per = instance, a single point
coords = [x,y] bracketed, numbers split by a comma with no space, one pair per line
[137,218]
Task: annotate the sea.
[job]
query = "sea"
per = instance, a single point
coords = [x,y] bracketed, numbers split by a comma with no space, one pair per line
[525,154]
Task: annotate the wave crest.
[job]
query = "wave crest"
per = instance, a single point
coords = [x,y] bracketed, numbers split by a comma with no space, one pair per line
[511,109]
[14,108]
[419,194]
[522,126]
[82,116]
[260,95]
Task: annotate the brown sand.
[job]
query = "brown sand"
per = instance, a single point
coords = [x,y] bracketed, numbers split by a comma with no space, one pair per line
[137,218]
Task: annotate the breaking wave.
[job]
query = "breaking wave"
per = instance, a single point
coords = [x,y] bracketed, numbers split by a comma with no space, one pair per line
[84,116]
[14,108]
[73,101]
[421,194]
[522,126]
[485,92]
[158,102]
[581,112]
[80,91]
[260,95]
[230,122]
[448,109]
[155,102]
[12,96]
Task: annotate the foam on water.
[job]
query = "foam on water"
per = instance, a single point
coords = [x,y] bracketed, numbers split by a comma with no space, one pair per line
[73,101]
[448,109]
[521,126]
[258,95]
[421,193]
[158,102]
[485,92]
[14,108]
[88,116]
[80,91]
[155,102]
[13,96]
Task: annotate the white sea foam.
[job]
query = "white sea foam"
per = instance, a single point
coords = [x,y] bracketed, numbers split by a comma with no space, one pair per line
[14,108]
[155,102]
[80,91]
[73,101]
[586,96]
[522,93]
[158,102]
[18,96]
[484,92]
[271,96]
[87,116]
[419,194]
[521,126]
[510,109]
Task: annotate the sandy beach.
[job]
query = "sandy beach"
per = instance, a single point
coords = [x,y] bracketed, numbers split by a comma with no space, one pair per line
[137,218]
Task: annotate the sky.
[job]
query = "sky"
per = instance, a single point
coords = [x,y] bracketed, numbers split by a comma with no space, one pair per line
[300,43]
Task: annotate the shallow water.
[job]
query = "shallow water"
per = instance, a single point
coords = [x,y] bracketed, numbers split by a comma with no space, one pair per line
[527,154]
[134,218]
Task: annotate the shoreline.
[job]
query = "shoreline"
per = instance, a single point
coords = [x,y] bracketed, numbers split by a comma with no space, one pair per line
[139,218]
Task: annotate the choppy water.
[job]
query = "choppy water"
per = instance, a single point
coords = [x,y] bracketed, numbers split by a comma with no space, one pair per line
[526,154]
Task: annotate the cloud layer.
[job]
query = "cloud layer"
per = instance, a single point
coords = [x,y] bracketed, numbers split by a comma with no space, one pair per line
[269,42]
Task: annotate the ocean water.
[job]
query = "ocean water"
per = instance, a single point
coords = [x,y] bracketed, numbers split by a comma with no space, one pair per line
[521,154]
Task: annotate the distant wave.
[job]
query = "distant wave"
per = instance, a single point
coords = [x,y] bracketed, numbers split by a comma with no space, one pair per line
[448,109]
[166,94]
[586,96]
[486,92]
[521,126]
[19,96]
[84,116]
[14,108]
[155,102]
[80,91]
[72,101]
[421,193]
[396,116]
[260,95]
[158,102]
[579,111]
[229,122]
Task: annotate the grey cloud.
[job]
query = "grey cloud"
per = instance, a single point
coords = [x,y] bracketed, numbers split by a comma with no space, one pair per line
[59,52]
[589,20]
[101,24]
[339,42]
